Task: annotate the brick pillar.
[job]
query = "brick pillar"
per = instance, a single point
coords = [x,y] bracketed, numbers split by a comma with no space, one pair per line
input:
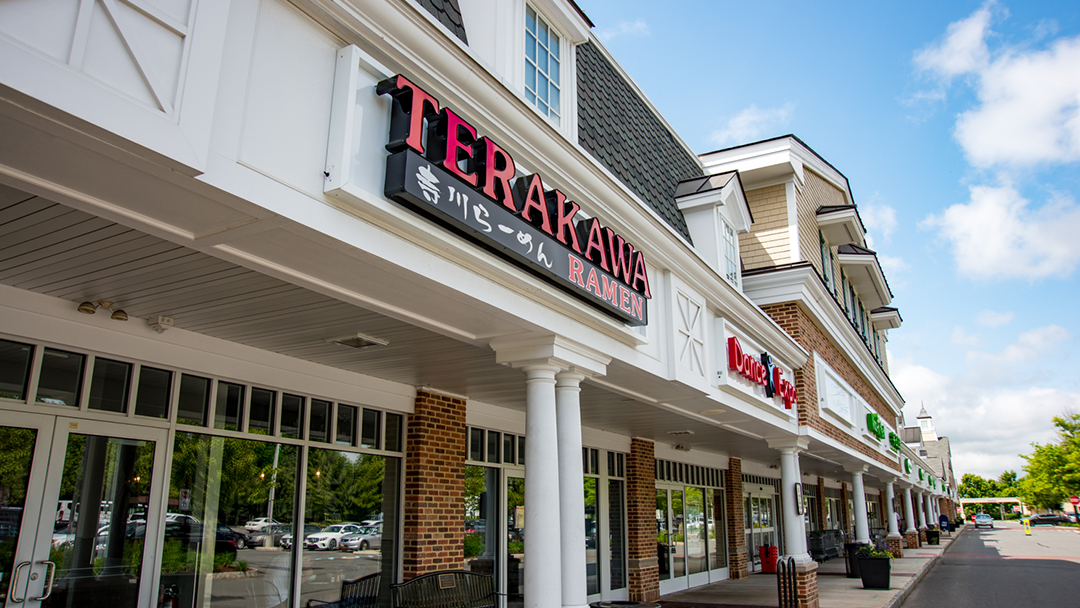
[434,505]
[821,502]
[895,545]
[912,540]
[922,536]
[806,590]
[737,566]
[641,522]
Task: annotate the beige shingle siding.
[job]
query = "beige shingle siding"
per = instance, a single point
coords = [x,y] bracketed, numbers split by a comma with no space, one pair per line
[816,192]
[768,243]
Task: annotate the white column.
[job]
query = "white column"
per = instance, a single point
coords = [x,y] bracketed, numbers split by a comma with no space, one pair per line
[571,490]
[921,507]
[909,512]
[862,524]
[890,496]
[790,474]
[544,571]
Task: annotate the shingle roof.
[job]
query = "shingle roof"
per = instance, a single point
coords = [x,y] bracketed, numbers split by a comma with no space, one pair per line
[852,248]
[449,14]
[622,132]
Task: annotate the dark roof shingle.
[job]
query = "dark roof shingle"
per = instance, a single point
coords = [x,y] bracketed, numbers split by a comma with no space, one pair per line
[449,14]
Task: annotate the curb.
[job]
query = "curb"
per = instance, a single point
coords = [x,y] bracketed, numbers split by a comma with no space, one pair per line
[910,586]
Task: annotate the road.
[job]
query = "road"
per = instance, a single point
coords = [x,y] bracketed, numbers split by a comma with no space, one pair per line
[1004,568]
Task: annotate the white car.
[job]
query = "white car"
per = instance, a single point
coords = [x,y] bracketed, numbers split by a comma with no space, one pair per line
[258,524]
[330,536]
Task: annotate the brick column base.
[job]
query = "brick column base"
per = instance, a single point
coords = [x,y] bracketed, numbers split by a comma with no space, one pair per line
[806,590]
[644,571]
[736,537]
[895,545]
[912,539]
[922,537]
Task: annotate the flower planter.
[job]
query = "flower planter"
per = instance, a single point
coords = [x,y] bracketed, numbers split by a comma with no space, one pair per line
[933,537]
[875,571]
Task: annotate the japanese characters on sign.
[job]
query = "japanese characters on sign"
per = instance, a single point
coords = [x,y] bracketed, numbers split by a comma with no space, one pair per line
[470,183]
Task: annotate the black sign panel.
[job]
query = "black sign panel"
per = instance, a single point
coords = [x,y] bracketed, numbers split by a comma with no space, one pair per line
[426,187]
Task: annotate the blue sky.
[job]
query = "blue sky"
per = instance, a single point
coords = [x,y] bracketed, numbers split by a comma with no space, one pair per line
[958,126]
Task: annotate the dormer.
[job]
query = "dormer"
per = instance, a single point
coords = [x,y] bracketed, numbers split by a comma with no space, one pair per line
[841,225]
[885,317]
[864,273]
[716,212]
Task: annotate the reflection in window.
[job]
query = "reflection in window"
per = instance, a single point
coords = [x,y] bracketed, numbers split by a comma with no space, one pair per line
[714,499]
[369,432]
[319,425]
[229,410]
[292,416]
[194,398]
[262,411]
[663,535]
[217,485]
[542,86]
[515,544]
[696,531]
[592,573]
[60,378]
[617,533]
[346,425]
[14,369]
[109,385]
[393,432]
[152,398]
[353,500]
[481,519]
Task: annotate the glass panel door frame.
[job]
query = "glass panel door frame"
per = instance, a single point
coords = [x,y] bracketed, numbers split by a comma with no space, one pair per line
[23,564]
[64,427]
[676,581]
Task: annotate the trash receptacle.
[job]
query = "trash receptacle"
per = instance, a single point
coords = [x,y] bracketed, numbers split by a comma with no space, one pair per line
[769,555]
[851,559]
[623,604]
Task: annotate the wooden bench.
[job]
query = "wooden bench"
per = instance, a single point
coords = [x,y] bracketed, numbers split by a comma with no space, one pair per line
[356,593]
[448,589]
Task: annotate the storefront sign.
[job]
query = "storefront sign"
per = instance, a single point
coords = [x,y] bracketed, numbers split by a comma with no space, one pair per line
[469,183]
[907,466]
[894,442]
[761,372]
[875,426]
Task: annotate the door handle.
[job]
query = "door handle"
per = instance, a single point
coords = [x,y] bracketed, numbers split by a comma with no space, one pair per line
[51,571]
[15,583]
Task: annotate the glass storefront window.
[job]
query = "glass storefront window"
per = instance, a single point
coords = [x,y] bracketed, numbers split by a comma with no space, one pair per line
[109,384]
[351,505]
[222,489]
[194,399]
[617,533]
[229,409]
[292,416]
[481,519]
[346,425]
[696,556]
[515,544]
[663,535]
[319,425]
[717,523]
[152,398]
[261,420]
[14,369]
[369,431]
[592,571]
[60,379]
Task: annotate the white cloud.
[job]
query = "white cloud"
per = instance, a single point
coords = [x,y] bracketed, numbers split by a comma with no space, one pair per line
[990,318]
[963,50]
[751,124]
[879,218]
[995,235]
[962,338]
[892,264]
[1029,346]
[632,28]
[987,427]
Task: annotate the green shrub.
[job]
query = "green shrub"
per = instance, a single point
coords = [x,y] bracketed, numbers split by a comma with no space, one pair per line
[474,545]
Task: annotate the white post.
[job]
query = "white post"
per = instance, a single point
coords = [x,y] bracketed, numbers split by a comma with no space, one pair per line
[890,497]
[922,510]
[909,512]
[790,474]
[544,571]
[571,490]
[862,525]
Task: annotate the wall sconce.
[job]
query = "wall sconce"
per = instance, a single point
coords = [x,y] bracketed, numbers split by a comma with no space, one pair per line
[89,308]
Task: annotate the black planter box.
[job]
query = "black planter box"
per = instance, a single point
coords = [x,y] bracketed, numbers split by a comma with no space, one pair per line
[874,572]
[933,537]
[851,551]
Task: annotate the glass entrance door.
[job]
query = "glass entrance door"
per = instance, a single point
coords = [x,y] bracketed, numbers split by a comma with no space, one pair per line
[86,505]
[760,512]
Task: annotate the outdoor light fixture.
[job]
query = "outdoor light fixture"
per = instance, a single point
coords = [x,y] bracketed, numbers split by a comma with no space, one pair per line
[683,432]
[358,341]
[89,308]
[711,412]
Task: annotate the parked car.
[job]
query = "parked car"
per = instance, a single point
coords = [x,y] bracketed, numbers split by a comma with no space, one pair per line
[330,536]
[242,540]
[982,519]
[259,523]
[1051,519]
[309,529]
[367,538]
[270,536]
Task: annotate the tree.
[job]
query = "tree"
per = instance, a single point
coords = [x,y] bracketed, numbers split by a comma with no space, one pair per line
[1053,470]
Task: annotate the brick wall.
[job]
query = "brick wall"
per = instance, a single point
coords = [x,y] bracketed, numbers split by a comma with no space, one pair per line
[737,566]
[434,505]
[799,325]
[821,502]
[641,522]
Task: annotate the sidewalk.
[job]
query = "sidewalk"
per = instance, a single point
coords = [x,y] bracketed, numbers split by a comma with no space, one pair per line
[835,590]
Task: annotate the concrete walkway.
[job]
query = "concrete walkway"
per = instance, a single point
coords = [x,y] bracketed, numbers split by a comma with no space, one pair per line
[835,590]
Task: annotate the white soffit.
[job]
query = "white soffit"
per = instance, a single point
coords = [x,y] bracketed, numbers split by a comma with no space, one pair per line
[840,225]
[863,270]
[885,318]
